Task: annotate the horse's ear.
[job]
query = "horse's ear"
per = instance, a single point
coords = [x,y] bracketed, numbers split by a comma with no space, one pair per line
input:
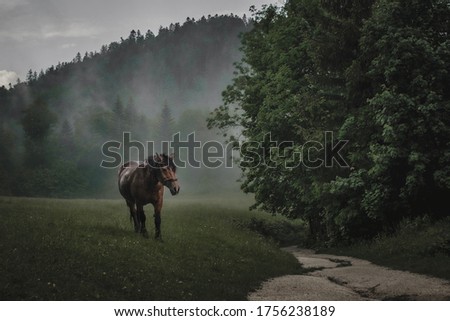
[172,155]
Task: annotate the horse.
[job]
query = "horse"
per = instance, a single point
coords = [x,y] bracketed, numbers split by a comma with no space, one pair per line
[141,183]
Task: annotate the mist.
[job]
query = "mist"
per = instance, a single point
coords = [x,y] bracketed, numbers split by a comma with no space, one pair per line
[54,124]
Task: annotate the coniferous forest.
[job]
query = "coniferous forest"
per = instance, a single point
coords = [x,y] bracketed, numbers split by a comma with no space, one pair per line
[54,123]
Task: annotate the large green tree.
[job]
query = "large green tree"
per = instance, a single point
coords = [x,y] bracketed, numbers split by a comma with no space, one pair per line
[371,72]
[400,119]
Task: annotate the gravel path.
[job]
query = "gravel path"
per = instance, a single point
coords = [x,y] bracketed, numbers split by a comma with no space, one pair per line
[341,278]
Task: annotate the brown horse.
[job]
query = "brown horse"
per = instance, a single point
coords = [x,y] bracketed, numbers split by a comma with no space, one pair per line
[141,183]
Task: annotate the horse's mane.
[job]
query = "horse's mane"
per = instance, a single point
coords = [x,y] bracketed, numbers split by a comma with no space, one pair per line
[160,160]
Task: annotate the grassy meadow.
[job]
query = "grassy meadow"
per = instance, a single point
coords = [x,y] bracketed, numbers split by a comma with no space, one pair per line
[87,250]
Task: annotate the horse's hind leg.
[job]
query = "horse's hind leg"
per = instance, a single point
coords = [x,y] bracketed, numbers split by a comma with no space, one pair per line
[142,219]
[134,216]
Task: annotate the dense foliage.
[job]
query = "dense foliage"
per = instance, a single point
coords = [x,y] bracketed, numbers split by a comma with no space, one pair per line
[374,73]
[52,126]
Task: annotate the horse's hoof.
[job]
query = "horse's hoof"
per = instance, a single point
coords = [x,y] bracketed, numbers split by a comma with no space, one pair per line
[158,236]
[145,234]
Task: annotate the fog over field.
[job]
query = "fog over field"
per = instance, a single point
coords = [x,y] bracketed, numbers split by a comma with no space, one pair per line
[150,86]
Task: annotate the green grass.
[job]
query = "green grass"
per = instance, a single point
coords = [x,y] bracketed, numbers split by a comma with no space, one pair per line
[418,246]
[87,250]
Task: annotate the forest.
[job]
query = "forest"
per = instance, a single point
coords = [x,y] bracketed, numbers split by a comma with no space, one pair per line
[54,123]
[376,75]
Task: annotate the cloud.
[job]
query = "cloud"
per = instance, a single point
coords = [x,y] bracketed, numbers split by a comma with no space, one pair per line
[50,31]
[68,45]
[7,77]
[11,4]
[73,30]
[26,20]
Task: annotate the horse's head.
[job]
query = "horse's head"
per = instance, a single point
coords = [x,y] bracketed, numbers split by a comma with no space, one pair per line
[165,171]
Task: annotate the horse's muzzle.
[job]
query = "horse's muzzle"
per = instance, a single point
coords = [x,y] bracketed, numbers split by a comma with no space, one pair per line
[175,190]
[172,185]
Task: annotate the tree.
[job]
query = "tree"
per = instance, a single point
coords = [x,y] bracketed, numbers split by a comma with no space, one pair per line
[149,35]
[139,38]
[8,163]
[31,77]
[37,123]
[402,159]
[373,75]
[38,120]
[77,58]
[132,37]
[165,125]
[66,138]
[119,118]
[130,116]
[84,92]
[7,147]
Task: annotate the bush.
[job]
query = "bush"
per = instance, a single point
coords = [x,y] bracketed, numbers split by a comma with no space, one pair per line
[282,231]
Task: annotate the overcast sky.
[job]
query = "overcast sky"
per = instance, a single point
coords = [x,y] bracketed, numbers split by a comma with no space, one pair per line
[35,34]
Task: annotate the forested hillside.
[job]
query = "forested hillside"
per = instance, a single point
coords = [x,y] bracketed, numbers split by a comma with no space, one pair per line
[53,124]
[373,73]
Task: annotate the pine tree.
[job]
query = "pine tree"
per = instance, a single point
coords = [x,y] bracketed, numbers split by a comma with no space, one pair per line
[37,123]
[38,120]
[77,58]
[130,115]
[165,125]
[119,114]
[66,137]
[31,77]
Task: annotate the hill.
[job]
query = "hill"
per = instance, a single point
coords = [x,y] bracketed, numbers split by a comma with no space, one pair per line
[53,125]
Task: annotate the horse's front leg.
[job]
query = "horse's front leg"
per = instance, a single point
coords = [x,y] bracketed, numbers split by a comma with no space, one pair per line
[157,216]
[142,219]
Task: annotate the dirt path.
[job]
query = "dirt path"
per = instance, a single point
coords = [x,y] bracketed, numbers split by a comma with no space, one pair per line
[337,278]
